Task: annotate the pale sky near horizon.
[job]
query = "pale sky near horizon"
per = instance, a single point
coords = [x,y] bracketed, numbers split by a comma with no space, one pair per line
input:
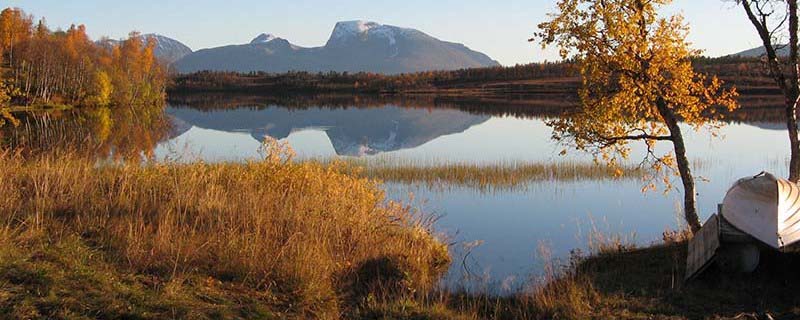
[499,28]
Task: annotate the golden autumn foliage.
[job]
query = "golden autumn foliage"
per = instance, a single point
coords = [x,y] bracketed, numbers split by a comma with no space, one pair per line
[638,83]
[631,61]
[5,113]
[67,67]
[102,90]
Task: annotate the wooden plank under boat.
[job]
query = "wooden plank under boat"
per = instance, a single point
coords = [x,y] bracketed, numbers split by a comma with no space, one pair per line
[703,247]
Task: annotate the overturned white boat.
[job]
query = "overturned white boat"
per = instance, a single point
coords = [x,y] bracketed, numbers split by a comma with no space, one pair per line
[766,208]
[758,212]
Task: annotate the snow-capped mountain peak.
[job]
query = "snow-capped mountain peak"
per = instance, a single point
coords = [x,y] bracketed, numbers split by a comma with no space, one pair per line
[263,38]
[344,28]
[362,29]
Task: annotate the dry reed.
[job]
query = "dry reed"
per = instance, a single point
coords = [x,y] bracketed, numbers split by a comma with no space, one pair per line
[312,237]
[502,175]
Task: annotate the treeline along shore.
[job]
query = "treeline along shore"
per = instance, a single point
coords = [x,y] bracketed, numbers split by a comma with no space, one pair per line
[65,68]
[557,82]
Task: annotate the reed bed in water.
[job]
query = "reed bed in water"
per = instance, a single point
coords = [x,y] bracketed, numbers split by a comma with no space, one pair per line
[141,240]
[500,175]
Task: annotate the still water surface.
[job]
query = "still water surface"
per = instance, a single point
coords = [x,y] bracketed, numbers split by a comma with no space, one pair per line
[510,224]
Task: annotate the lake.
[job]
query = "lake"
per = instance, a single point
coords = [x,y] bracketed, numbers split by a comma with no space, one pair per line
[496,233]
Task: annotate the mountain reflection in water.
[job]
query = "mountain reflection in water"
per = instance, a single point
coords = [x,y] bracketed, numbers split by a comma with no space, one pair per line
[352,131]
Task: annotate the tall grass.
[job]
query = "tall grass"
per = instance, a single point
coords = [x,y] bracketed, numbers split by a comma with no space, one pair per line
[81,238]
[315,239]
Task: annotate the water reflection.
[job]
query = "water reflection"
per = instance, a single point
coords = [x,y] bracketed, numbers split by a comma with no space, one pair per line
[131,133]
[352,131]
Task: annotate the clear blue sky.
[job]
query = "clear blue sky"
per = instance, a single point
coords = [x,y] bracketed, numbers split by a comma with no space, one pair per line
[498,28]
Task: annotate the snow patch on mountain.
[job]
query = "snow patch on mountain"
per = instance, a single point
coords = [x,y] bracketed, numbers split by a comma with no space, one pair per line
[366,29]
[263,38]
[356,27]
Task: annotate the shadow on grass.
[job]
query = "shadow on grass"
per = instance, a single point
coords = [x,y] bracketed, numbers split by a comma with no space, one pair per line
[647,283]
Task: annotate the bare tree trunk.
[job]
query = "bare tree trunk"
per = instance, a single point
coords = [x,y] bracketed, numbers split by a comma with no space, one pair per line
[689,200]
[787,80]
[794,144]
[792,94]
[685,170]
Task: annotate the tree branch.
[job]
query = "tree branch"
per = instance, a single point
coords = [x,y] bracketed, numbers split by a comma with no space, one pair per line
[766,38]
[636,137]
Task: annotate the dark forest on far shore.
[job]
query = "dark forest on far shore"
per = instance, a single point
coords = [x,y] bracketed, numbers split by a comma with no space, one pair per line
[747,74]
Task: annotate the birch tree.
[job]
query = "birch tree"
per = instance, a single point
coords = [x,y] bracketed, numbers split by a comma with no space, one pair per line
[638,84]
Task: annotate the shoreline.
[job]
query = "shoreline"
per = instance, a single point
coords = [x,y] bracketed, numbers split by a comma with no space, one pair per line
[41,107]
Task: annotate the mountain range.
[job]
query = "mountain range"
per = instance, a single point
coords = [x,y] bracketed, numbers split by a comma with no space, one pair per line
[352,46]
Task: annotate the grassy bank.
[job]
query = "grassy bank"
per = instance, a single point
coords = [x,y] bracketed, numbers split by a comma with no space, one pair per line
[265,239]
[627,283]
[648,283]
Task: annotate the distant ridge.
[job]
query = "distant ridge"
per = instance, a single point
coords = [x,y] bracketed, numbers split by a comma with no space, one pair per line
[760,51]
[167,49]
[352,46]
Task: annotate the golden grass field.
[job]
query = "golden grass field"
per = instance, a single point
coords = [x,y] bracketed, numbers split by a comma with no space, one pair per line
[306,239]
